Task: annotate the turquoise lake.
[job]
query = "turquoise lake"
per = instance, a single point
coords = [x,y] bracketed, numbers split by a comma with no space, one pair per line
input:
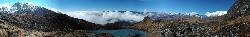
[121,32]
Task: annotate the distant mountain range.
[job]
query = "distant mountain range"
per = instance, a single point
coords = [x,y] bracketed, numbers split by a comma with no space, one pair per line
[19,8]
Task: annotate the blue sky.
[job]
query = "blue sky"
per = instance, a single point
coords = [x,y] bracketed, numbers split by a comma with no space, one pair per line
[199,6]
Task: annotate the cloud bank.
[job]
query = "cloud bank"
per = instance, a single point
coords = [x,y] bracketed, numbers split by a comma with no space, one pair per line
[100,17]
[5,5]
[216,13]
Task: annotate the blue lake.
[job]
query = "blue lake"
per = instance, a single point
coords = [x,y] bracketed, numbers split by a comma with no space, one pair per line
[121,32]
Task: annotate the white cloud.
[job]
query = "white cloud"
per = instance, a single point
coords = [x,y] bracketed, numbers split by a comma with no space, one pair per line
[32,3]
[53,9]
[216,13]
[5,5]
[100,17]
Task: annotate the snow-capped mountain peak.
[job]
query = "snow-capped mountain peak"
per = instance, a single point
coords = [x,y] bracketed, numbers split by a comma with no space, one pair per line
[16,6]
[24,8]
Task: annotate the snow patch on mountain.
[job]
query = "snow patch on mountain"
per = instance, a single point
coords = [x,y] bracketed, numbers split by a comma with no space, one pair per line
[193,13]
[216,13]
[19,7]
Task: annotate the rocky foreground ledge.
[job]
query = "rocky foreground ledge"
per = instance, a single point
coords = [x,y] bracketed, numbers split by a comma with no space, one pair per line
[234,24]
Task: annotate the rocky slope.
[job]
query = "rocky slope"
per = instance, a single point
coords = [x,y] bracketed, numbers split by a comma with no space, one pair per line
[240,8]
[234,24]
[49,20]
[33,21]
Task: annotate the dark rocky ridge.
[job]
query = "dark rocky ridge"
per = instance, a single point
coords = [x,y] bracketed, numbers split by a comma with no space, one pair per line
[234,24]
[240,8]
[51,21]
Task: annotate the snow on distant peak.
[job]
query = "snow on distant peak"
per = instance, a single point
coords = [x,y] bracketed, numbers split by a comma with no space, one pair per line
[193,13]
[4,7]
[216,13]
[29,6]
[19,6]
